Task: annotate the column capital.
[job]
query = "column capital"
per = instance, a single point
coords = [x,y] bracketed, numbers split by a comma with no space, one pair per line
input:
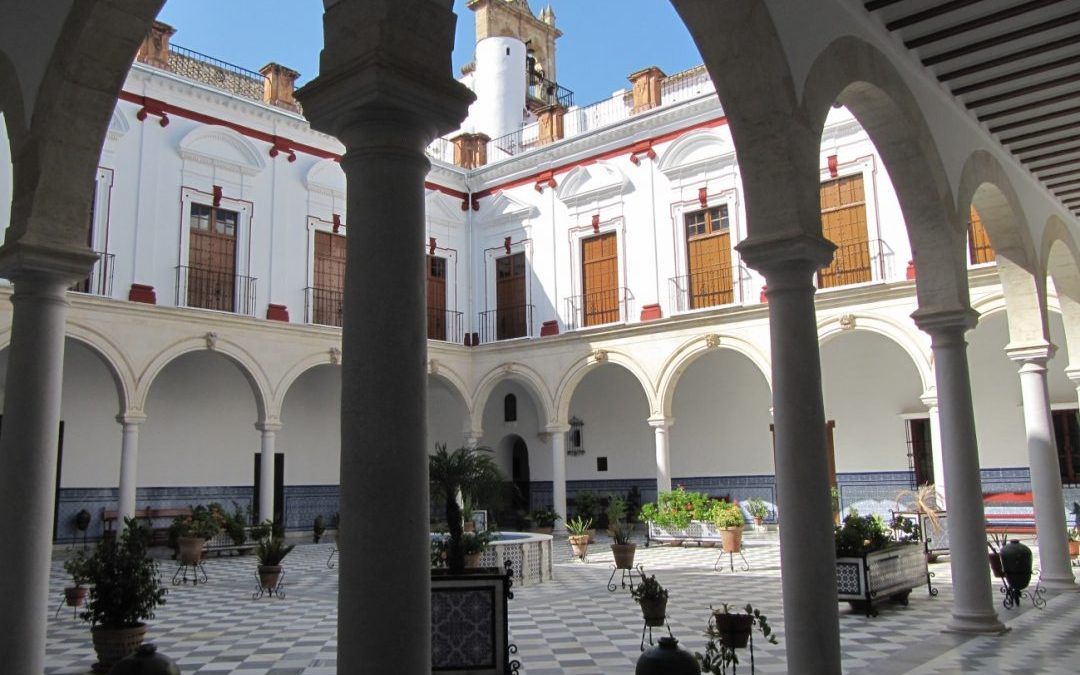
[273,425]
[27,260]
[1037,353]
[929,398]
[135,417]
[940,322]
[1073,373]
[658,421]
[556,428]
[786,260]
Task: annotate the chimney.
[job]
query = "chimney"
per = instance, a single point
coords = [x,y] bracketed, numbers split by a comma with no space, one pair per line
[154,50]
[279,85]
[470,150]
[551,123]
[646,85]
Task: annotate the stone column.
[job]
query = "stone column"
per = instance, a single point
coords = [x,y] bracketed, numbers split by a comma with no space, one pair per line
[267,441]
[472,438]
[660,426]
[129,463]
[385,96]
[558,473]
[1054,561]
[28,444]
[808,559]
[973,608]
[929,399]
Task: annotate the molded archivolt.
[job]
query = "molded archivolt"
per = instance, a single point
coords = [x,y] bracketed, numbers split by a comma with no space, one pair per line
[891,330]
[248,366]
[12,105]
[591,183]
[985,184]
[695,152]
[857,75]
[565,392]
[696,347]
[455,383]
[516,372]
[1062,262]
[326,176]
[281,390]
[221,146]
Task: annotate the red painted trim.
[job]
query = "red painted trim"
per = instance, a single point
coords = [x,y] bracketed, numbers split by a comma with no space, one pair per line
[142,293]
[549,328]
[833,164]
[277,312]
[651,312]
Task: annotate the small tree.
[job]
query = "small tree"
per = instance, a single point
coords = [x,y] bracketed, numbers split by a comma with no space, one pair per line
[472,472]
[125,587]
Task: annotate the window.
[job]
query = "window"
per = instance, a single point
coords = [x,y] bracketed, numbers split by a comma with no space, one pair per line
[708,255]
[328,294]
[436,298]
[601,463]
[511,316]
[1067,433]
[979,249]
[577,445]
[211,276]
[920,450]
[510,408]
[843,222]
[600,279]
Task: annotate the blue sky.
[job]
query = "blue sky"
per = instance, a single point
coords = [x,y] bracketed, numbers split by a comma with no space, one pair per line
[603,40]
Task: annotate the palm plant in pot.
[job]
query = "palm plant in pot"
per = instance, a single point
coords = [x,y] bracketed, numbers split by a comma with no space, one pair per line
[270,552]
[124,590]
[578,530]
[542,521]
[622,548]
[728,631]
[653,600]
[469,472]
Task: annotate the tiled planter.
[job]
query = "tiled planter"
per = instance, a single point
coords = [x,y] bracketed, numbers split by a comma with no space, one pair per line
[888,574]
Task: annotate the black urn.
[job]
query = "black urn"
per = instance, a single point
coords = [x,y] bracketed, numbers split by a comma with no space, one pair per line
[667,658]
[1016,565]
[145,661]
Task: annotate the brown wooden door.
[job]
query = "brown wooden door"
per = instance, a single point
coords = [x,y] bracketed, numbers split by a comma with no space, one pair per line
[708,255]
[843,222]
[511,316]
[212,258]
[979,248]
[328,294]
[600,279]
[436,298]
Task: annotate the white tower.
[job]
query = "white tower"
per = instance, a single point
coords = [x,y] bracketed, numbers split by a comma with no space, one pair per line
[500,86]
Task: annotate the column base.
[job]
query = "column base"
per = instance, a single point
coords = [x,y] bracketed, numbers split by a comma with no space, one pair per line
[979,624]
[1063,584]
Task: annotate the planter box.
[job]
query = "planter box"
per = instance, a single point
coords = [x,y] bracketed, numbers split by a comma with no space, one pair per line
[889,574]
[469,622]
[699,532]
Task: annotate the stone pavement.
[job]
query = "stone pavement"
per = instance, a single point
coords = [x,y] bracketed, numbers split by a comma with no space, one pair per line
[574,625]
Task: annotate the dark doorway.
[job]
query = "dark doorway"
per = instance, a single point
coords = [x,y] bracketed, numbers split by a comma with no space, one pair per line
[519,497]
[279,487]
[920,450]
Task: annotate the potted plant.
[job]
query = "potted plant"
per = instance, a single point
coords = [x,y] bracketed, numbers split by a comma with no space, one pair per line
[653,600]
[474,545]
[318,528]
[124,590]
[543,520]
[587,505]
[192,532]
[235,525]
[74,596]
[270,552]
[1074,542]
[620,531]
[729,631]
[758,510]
[578,535]
[470,472]
[729,518]
[874,563]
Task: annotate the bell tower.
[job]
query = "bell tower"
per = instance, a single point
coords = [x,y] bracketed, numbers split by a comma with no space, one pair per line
[515,19]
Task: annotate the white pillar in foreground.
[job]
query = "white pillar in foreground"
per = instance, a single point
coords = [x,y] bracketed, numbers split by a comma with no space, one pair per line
[558,473]
[1054,563]
[129,463]
[973,608]
[660,426]
[267,443]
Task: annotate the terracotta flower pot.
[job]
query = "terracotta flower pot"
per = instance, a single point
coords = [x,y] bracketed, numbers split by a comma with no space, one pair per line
[1074,549]
[995,565]
[624,555]
[190,549]
[734,629]
[113,644]
[580,544]
[269,576]
[74,596]
[732,539]
[654,611]
[472,560]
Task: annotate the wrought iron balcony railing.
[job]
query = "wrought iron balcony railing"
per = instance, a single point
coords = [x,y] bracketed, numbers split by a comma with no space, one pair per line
[550,93]
[323,306]
[100,279]
[596,309]
[213,289]
[857,263]
[713,287]
[506,323]
[445,325]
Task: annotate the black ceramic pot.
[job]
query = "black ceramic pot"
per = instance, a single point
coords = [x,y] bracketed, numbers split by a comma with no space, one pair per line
[667,658]
[146,661]
[1016,564]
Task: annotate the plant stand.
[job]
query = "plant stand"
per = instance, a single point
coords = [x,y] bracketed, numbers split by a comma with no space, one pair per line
[74,608]
[646,627]
[627,573]
[719,567]
[198,573]
[1013,596]
[262,592]
[330,560]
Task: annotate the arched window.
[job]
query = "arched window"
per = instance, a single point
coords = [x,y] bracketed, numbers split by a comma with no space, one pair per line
[510,408]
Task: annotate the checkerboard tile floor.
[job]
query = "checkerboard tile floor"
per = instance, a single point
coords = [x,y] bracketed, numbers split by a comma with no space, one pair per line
[574,626]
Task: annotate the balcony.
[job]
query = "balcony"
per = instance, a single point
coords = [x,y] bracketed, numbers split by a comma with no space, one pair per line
[543,92]
[100,279]
[324,306]
[213,289]
[858,263]
[713,287]
[506,323]
[445,325]
[599,308]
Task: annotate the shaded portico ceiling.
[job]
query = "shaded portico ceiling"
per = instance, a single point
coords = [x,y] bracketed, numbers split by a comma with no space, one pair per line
[1015,64]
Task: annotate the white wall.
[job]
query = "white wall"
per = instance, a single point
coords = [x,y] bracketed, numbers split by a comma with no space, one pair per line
[310,433]
[446,415]
[612,404]
[5,179]
[527,427]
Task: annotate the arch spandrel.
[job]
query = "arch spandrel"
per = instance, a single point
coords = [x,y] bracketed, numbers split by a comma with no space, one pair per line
[691,350]
[516,372]
[893,331]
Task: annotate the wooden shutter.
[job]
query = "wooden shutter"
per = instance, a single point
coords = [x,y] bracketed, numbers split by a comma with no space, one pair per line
[328,295]
[979,248]
[843,222]
[708,253]
[436,298]
[511,312]
[600,279]
[212,258]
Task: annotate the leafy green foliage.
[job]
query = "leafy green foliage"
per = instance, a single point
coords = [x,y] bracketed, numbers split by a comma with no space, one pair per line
[578,526]
[757,508]
[726,514]
[76,566]
[543,517]
[719,652]
[470,471]
[649,589]
[272,550]
[125,586]
[860,534]
[619,530]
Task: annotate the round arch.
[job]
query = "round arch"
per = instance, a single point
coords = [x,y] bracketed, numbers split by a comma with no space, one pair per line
[688,352]
[1062,263]
[281,389]
[893,331]
[521,374]
[577,372]
[855,74]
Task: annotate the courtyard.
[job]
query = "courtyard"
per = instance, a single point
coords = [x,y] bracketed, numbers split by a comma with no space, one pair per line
[574,625]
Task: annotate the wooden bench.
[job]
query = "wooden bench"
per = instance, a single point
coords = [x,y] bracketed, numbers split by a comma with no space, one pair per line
[223,543]
[158,520]
[1009,513]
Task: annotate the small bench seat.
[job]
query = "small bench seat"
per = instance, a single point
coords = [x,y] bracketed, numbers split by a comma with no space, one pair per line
[1009,513]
